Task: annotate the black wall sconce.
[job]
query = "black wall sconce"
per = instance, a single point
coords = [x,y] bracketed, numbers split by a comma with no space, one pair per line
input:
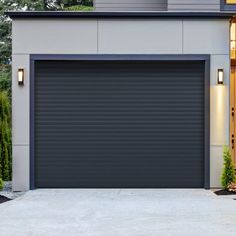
[220,76]
[21,76]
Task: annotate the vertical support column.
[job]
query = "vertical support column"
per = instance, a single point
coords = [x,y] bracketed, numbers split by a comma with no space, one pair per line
[20,124]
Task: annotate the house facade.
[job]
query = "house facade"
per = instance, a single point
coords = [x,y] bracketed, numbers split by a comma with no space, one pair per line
[130,95]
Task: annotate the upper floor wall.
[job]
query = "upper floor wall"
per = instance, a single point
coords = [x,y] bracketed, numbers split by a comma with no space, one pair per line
[194,5]
[130,5]
[157,5]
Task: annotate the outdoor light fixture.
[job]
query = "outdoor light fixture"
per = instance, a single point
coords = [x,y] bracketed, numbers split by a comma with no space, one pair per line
[220,79]
[21,76]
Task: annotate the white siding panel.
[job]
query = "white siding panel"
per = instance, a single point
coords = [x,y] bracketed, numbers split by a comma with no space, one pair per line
[20,102]
[54,36]
[219,101]
[140,36]
[219,117]
[216,166]
[210,37]
[20,168]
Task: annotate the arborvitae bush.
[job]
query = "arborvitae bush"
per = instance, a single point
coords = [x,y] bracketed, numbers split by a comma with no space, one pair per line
[228,175]
[1,184]
[5,137]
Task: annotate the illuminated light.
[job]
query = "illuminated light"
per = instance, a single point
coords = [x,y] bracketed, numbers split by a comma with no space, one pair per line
[220,79]
[21,76]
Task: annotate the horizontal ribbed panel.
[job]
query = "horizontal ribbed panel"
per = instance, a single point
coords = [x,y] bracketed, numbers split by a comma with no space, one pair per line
[194,5]
[130,5]
[119,124]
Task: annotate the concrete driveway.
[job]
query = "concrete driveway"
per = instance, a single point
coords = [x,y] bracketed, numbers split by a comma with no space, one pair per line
[118,213]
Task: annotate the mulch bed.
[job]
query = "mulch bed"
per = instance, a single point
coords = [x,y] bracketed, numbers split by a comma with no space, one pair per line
[224,192]
[4,199]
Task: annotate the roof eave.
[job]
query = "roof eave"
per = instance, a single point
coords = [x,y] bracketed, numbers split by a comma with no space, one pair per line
[116,14]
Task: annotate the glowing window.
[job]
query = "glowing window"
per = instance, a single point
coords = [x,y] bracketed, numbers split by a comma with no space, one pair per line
[233,40]
[231,1]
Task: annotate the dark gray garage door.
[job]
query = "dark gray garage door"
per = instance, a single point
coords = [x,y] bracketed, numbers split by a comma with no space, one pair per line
[119,124]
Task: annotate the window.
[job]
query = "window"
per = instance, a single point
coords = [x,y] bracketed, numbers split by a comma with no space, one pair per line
[228,5]
[233,41]
[231,1]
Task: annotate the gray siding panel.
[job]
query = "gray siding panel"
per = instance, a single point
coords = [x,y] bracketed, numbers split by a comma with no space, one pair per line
[193,5]
[119,124]
[130,5]
[157,5]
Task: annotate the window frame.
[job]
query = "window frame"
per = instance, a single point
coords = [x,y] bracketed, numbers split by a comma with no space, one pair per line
[227,6]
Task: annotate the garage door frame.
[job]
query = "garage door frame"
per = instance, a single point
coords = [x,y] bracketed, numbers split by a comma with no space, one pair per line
[121,57]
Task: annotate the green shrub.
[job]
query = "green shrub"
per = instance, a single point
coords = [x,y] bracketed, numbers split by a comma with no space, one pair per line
[228,175]
[1,184]
[5,137]
[5,78]
[79,8]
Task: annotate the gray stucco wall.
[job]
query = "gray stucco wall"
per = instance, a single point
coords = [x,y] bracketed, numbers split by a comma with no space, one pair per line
[119,36]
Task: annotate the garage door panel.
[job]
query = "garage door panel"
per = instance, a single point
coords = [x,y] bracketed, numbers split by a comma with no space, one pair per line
[119,124]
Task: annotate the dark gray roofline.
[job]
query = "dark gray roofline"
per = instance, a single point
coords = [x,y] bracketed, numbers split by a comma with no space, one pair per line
[94,14]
